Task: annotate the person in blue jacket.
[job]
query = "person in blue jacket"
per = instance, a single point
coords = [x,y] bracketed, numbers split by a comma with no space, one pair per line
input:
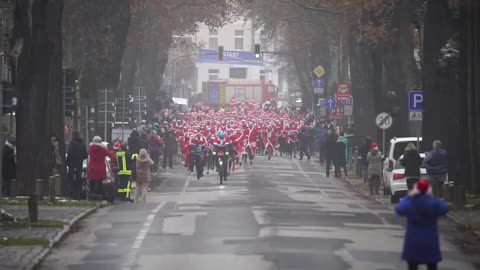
[422,244]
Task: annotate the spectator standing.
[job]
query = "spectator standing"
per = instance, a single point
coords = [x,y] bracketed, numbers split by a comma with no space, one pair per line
[374,161]
[411,161]
[56,158]
[364,150]
[340,157]
[436,163]
[144,177]
[421,245]
[97,168]
[76,154]
[9,165]
[331,147]
[323,137]
[170,149]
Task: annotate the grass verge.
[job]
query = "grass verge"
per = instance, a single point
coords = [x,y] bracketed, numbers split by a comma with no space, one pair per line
[42,223]
[59,202]
[23,241]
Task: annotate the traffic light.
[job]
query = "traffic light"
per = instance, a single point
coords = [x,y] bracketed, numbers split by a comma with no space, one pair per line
[257,51]
[220,53]
[318,100]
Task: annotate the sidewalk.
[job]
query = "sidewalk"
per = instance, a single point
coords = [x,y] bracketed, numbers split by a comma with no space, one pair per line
[469,219]
[23,256]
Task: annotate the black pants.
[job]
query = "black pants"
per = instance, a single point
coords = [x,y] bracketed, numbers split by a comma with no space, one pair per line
[338,169]
[304,150]
[96,189]
[329,163]
[323,149]
[411,182]
[6,187]
[74,180]
[168,156]
[414,266]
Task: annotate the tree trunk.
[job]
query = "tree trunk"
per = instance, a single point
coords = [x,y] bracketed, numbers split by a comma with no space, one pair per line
[39,85]
[470,93]
[365,64]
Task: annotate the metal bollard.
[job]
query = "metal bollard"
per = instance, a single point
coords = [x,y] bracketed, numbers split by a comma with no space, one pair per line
[51,189]
[39,188]
[58,185]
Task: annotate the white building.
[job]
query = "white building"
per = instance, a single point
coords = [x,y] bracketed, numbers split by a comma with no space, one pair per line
[239,64]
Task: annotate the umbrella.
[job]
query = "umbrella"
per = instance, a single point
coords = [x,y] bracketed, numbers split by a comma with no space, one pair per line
[233,102]
[253,103]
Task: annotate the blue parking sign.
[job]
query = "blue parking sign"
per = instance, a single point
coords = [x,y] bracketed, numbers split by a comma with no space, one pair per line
[415,101]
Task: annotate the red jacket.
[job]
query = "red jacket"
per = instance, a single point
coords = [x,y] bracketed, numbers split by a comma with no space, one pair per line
[97,169]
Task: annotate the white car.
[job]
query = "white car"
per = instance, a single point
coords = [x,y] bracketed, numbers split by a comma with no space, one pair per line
[398,182]
[394,149]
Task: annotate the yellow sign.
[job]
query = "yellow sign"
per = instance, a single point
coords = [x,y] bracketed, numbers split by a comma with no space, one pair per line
[319,71]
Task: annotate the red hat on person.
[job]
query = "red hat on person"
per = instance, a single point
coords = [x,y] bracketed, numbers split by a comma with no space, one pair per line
[117,146]
[373,145]
[423,186]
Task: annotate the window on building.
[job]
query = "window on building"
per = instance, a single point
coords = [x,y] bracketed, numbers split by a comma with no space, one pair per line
[262,78]
[239,43]
[214,71]
[213,32]
[212,77]
[238,73]
[213,43]
[239,39]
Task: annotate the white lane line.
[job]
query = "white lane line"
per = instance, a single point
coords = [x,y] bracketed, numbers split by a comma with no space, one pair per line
[132,254]
[306,175]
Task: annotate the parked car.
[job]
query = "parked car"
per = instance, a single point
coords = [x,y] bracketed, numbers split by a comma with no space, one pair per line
[394,149]
[398,182]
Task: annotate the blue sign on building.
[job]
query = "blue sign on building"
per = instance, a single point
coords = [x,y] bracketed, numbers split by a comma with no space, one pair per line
[229,57]
[415,101]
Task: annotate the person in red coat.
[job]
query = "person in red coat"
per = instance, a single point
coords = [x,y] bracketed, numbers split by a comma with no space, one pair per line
[97,168]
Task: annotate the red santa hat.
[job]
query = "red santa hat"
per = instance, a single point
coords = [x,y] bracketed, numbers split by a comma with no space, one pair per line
[422,187]
[373,146]
[117,146]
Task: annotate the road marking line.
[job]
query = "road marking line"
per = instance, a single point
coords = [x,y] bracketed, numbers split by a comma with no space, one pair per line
[132,254]
[306,175]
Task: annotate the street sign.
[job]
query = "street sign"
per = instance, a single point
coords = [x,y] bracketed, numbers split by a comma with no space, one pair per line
[415,116]
[348,101]
[384,120]
[330,103]
[348,110]
[343,91]
[415,101]
[318,90]
[319,83]
[319,71]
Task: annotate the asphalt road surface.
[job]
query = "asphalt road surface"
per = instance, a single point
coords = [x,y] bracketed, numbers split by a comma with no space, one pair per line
[279,214]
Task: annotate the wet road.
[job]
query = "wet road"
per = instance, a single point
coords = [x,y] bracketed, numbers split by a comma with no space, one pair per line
[279,214]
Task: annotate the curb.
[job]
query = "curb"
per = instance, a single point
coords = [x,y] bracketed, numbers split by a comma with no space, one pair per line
[457,221]
[449,214]
[363,192]
[58,238]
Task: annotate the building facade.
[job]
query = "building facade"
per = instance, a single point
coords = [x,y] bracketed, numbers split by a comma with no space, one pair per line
[239,63]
